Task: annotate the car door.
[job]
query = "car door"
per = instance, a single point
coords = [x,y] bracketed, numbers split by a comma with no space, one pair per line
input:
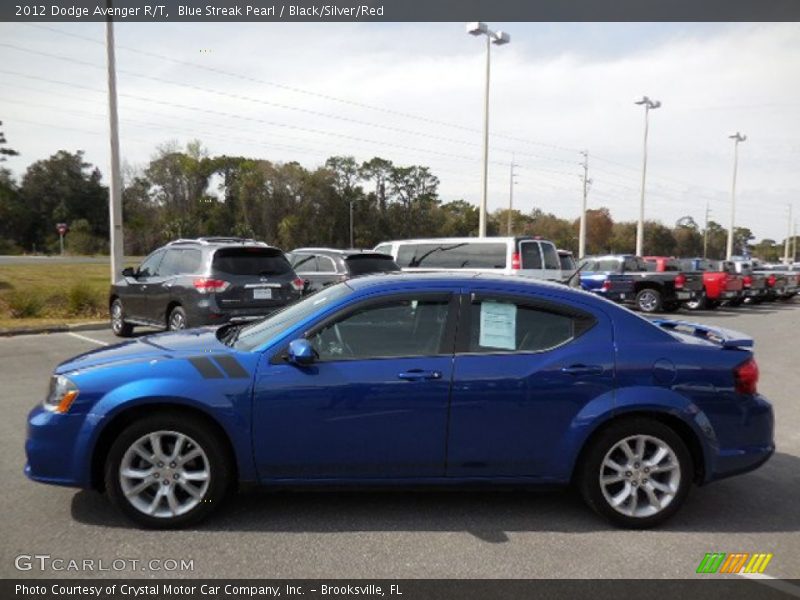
[135,299]
[373,406]
[525,368]
[160,283]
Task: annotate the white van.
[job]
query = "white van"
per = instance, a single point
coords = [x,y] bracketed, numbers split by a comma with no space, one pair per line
[523,256]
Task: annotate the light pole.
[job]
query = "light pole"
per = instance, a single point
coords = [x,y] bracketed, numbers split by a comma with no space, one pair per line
[351,225]
[499,38]
[648,106]
[705,233]
[737,138]
[788,239]
[115,184]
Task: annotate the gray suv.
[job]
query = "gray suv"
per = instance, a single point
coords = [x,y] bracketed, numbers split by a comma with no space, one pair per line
[204,281]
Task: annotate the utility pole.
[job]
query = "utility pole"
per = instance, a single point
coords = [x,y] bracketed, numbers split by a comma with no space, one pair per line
[788,237]
[794,244]
[115,187]
[737,138]
[351,225]
[705,233]
[586,183]
[511,183]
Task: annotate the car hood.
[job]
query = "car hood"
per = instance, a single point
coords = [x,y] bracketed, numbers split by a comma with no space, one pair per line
[178,344]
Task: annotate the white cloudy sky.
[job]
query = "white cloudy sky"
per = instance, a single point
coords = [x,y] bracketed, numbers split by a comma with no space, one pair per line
[413,93]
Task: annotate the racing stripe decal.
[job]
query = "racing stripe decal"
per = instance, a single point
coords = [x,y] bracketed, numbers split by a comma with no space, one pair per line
[207,368]
[231,366]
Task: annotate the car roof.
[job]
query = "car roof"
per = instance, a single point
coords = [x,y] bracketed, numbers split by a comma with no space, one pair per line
[338,252]
[467,240]
[446,279]
[220,242]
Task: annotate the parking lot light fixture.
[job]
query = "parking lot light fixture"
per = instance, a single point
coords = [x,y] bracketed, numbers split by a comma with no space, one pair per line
[737,138]
[648,106]
[498,38]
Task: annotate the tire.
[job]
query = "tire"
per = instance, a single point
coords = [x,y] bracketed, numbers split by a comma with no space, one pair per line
[177,319]
[195,498]
[639,484]
[712,304]
[649,300]
[700,303]
[118,324]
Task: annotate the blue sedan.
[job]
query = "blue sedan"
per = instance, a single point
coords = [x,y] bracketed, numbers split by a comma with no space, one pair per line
[398,380]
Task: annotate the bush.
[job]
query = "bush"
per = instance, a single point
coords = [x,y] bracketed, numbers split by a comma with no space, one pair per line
[83,301]
[24,304]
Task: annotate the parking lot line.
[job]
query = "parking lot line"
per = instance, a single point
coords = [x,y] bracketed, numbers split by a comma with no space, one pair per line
[87,339]
[774,582]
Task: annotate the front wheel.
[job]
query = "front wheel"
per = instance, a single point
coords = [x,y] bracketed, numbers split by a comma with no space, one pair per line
[167,471]
[636,473]
[649,300]
[118,325]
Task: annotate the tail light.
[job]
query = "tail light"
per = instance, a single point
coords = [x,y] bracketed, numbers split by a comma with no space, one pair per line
[516,263]
[680,281]
[746,377]
[606,285]
[747,281]
[771,281]
[208,286]
[298,284]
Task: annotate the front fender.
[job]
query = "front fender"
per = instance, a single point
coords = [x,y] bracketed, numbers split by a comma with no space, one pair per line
[229,408]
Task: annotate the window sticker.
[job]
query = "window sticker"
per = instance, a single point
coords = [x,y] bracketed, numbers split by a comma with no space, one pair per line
[498,325]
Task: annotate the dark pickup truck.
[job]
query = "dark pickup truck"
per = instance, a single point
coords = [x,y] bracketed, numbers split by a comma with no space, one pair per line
[783,281]
[652,291]
[756,289]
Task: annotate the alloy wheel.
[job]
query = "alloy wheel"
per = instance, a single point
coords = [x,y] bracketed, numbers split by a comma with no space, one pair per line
[164,474]
[640,476]
[648,301]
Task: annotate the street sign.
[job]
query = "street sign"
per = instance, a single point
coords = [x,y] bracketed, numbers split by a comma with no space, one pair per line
[62,228]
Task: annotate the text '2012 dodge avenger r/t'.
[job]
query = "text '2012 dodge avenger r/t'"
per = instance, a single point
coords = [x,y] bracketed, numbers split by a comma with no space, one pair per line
[398,380]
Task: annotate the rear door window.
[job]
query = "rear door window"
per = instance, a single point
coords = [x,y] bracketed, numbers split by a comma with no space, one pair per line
[250,261]
[325,264]
[550,257]
[531,255]
[191,261]
[462,255]
[171,265]
[304,263]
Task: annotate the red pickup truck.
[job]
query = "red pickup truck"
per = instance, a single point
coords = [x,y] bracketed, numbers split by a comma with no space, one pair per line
[719,283]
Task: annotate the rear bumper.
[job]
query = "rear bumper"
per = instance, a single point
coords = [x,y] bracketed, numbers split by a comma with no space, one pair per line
[210,313]
[747,443]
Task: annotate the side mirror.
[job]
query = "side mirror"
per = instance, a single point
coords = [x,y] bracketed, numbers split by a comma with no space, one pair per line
[128,272]
[302,353]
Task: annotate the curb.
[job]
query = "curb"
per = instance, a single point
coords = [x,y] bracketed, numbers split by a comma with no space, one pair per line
[93,326]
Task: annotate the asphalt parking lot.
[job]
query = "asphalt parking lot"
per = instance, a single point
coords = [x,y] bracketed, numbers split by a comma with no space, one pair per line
[514,534]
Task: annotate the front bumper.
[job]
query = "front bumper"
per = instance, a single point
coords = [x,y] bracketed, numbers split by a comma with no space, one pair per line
[51,448]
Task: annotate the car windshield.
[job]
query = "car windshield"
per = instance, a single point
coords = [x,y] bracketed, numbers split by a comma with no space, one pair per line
[257,334]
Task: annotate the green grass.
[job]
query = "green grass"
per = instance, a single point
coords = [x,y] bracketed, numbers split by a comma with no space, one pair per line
[50,293]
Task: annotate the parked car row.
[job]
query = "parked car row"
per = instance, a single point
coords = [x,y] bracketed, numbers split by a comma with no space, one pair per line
[215,280]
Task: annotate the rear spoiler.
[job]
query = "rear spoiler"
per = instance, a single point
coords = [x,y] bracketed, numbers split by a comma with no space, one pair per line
[727,338]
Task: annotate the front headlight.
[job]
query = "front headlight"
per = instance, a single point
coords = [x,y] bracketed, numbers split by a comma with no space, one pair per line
[62,394]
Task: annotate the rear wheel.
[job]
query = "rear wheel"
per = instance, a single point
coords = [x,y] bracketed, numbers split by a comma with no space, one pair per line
[636,473]
[177,319]
[167,471]
[698,303]
[649,300]
[118,324]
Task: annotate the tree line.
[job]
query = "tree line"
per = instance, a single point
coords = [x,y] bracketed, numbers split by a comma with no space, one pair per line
[186,192]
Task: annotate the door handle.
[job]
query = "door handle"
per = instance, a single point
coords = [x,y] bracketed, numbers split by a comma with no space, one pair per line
[583,370]
[419,375]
